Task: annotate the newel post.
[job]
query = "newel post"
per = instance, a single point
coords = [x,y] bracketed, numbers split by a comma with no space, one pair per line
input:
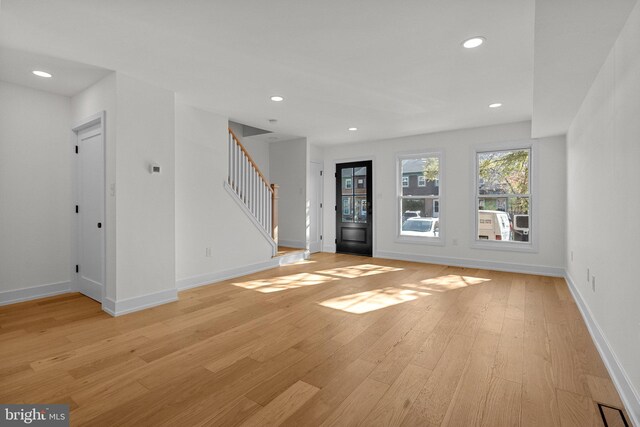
[274,212]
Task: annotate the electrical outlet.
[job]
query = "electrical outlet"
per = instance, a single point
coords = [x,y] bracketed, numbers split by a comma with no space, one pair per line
[593,283]
[207,252]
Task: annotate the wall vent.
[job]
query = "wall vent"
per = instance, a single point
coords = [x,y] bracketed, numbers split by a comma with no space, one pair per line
[611,416]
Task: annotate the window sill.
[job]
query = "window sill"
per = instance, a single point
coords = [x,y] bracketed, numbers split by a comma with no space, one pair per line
[416,240]
[508,246]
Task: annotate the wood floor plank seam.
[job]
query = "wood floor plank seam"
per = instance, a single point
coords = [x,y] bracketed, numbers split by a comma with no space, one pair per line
[338,339]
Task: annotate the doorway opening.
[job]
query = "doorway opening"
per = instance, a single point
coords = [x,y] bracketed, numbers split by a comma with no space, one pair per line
[89,218]
[354,209]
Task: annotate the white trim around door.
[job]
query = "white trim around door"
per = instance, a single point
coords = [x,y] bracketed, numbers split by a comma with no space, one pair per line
[88,266]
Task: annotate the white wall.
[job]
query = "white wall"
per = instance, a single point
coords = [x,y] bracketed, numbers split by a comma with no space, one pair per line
[145,208]
[35,189]
[102,97]
[140,207]
[603,174]
[457,209]
[288,169]
[257,149]
[316,153]
[206,215]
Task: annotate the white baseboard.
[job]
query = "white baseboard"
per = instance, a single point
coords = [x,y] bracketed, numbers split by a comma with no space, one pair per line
[210,278]
[472,263]
[129,305]
[34,292]
[292,244]
[629,395]
[206,279]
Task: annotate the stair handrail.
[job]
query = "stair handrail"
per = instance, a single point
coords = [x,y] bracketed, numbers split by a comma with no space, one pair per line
[255,166]
[272,219]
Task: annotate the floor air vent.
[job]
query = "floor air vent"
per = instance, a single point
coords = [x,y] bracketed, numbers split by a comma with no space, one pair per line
[612,417]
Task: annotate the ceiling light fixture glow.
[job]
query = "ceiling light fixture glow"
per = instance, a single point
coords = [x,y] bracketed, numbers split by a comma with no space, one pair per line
[277,98]
[473,42]
[353,129]
[42,74]
[495,105]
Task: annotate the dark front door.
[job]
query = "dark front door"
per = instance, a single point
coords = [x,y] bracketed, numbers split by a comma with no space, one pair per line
[354,226]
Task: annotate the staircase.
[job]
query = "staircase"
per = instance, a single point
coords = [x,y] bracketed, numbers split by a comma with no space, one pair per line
[252,191]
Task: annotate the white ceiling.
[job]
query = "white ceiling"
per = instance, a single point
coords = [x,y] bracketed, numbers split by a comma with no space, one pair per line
[69,77]
[271,137]
[388,68]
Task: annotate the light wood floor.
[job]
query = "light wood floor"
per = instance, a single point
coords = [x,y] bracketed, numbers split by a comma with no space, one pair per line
[283,250]
[336,340]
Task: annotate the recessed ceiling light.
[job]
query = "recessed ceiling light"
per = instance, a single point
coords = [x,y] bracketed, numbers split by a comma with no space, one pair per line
[473,42]
[42,74]
[353,129]
[277,98]
[495,105]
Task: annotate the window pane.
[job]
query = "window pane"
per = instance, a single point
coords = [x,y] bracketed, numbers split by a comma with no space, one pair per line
[503,172]
[347,209]
[347,181]
[413,208]
[413,171]
[503,218]
[360,208]
[519,212]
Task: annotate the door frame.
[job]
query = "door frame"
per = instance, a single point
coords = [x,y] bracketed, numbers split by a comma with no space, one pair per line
[95,119]
[320,218]
[332,175]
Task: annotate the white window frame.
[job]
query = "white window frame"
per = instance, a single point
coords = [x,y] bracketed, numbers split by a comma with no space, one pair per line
[426,240]
[422,181]
[510,246]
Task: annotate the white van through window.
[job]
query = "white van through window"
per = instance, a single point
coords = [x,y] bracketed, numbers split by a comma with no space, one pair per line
[503,195]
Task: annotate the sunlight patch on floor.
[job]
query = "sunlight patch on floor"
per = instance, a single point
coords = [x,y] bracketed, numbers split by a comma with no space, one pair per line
[283,283]
[365,302]
[362,270]
[284,250]
[447,283]
[302,261]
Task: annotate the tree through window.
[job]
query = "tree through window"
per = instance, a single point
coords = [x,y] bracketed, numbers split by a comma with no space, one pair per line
[503,195]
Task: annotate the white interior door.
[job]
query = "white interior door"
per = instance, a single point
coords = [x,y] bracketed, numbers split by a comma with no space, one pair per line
[90,216]
[315,208]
